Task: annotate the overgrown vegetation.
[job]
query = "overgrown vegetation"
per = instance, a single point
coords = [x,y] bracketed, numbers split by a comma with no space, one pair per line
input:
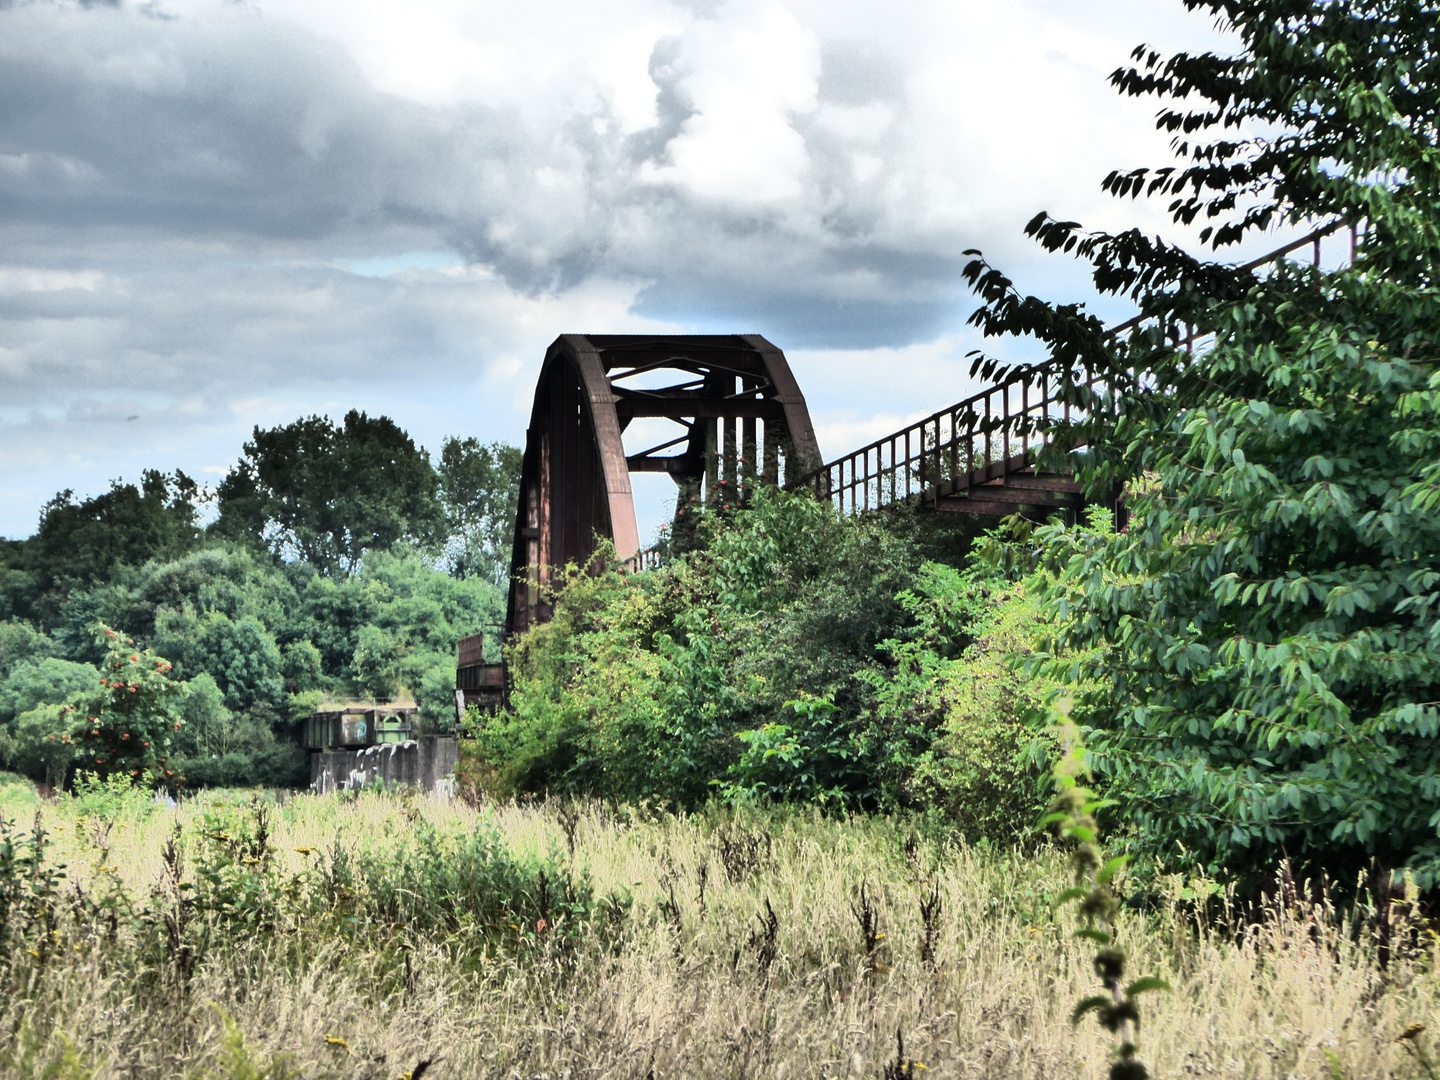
[1258,654]
[362,937]
[793,777]
[795,656]
[292,596]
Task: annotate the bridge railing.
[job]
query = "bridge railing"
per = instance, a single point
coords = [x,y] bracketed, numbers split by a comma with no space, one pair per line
[990,434]
[973,441]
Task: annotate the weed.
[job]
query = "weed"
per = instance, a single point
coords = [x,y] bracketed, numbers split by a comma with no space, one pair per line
[416,940]
[901,1068]
[1074,815]
[868,916]
[743,851]
[765,938]
[1410,1040]
[931,908]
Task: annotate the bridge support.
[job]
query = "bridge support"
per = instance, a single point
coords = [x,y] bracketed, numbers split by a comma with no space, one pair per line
[739,419]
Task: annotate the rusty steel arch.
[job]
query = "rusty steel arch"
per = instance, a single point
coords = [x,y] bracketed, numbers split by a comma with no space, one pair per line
[742,421]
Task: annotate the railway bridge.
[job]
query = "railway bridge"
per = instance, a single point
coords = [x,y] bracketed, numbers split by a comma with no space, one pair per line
[737,419]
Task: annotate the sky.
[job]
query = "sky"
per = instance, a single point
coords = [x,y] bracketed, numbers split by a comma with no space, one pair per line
[216,215]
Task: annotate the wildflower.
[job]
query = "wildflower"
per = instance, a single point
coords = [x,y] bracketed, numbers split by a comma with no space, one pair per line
[335,1040]
[305,850]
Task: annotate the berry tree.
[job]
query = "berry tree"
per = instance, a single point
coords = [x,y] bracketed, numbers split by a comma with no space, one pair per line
[128,724]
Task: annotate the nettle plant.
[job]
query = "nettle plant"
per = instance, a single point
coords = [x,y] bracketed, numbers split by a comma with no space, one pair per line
[1073,815]
[127,726]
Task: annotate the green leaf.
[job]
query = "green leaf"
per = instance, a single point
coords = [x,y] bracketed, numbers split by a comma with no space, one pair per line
[1111,868]
[1089,1004]
[1145,985]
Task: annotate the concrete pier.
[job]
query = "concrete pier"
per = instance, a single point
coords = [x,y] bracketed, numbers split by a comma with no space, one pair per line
[427,763]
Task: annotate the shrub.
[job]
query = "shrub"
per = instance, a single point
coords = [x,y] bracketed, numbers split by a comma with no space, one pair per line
[640,684]
[279,765]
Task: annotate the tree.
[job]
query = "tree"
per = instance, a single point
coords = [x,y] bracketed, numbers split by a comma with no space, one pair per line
[126,727]
[1257,656]
[80,544]
[38,698]
[44,681]
[480,487]
[326,494]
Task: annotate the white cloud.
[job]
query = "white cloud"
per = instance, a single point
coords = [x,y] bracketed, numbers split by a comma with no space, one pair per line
[307,204]
[20,279]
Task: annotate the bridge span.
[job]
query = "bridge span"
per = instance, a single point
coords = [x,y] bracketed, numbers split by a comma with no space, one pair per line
[738,419]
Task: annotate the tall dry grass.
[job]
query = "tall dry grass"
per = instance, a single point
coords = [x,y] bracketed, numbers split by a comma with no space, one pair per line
[744,955]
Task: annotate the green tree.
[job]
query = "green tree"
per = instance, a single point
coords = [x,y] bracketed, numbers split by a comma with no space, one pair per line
[480,487]
[80,544]
[45,681]
[41,743]
[207,725]
[326,494]
[38,698]
[1260,650]
[127,726]
[20,641]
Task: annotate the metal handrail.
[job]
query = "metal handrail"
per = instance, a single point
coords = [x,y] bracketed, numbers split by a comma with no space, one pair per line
[987,432]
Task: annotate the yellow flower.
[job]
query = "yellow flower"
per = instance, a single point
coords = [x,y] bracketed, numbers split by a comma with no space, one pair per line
[304,850]
[335,1040]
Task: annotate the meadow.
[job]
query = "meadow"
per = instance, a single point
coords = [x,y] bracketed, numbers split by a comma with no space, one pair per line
[238,936]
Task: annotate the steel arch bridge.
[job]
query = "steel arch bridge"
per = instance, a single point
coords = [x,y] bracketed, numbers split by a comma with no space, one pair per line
[735,410]
[741,420]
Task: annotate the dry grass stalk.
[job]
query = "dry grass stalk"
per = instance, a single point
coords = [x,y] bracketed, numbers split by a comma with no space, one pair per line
[768,978]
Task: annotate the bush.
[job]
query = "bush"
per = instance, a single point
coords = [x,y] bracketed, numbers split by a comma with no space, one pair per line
[639,685]
[281,765]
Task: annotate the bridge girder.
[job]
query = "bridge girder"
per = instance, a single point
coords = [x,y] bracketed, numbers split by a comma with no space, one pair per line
[743,418]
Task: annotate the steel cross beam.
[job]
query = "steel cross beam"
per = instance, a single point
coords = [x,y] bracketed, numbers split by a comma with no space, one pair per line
[744,423]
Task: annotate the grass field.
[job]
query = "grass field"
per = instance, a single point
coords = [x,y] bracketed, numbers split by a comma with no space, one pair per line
[360,937]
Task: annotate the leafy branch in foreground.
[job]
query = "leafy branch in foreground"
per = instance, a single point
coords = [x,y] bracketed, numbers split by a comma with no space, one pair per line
[1073,814]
